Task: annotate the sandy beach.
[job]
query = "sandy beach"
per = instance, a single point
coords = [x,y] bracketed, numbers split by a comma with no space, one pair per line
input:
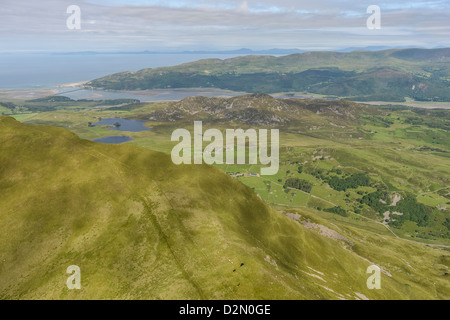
[26,93]
[424,105]
[72,85]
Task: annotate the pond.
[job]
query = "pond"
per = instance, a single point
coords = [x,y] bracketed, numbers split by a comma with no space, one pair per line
[120,124]
[123,124]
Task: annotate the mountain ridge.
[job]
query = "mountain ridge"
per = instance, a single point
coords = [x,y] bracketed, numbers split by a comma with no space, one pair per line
[421,74]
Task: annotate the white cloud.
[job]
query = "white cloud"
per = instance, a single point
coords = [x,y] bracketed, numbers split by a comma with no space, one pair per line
[214,24]
[243,7]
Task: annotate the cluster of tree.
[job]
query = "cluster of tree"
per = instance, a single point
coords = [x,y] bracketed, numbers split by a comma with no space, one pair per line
[352,182]
[337,171]
[435,89]
[9,105]
[337,210]
[319,174]
[409,207]
[39,108]
[299,184]
[412,211]
[447,223]
[374,200]
[53,99]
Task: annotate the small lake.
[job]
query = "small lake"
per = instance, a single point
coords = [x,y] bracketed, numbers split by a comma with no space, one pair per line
[113,139]
[125,125]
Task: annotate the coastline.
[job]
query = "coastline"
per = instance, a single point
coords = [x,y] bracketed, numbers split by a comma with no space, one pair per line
[166,95]
[72,85]
[413,104]
[26,94]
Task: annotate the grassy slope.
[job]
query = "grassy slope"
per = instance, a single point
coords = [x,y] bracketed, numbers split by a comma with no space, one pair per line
[142,228]
[361,141]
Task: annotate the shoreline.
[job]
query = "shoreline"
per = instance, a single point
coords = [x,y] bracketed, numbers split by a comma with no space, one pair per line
[27,94]
[72,85]
[413,104]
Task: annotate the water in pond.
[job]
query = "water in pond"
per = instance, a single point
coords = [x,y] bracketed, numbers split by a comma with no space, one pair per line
[125,125]
[113,139]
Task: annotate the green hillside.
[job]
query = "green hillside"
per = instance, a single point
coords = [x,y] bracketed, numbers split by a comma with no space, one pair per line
[329,144]
[142,228]
[389,75]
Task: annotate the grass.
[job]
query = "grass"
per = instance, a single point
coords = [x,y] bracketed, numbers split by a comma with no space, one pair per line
[393,155]
[142,228]
[179,232]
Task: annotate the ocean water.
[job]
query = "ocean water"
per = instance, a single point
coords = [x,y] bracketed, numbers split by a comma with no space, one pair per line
[38,70]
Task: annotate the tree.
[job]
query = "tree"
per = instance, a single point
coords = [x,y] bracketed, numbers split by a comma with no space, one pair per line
[337,210]
[299,184]
[352,182]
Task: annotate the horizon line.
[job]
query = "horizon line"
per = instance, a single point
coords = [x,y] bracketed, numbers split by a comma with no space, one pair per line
[232,51]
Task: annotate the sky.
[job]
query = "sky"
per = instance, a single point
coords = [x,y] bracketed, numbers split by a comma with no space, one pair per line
[178,25]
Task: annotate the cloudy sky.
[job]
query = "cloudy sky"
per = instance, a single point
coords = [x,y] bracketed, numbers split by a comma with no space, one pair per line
[177,25]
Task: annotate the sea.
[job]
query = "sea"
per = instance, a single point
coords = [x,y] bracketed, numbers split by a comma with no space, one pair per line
[35,71]
[48,70]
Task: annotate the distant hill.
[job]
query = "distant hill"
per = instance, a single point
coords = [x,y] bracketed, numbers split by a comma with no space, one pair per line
[276,51]
[140,227]
[261,110]
[388,75]
[368,48]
